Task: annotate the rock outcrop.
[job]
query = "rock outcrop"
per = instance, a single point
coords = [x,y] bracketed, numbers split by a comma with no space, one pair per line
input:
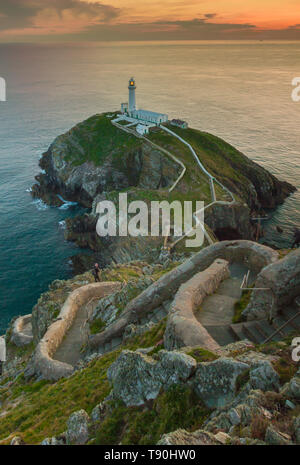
[181,437]
[281,281]
[215,382]
[95,158]
[137,378]
[78,428]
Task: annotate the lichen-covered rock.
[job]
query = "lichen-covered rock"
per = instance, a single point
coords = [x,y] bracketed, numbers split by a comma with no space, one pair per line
[136,377]
[292,388]
[277,438]
[99,412]
[182,437]
[17,441]
[240,411]
[282,281]
[264,377]
[78,428]
[236,349]
[55,441]
[108,308]
[215,382]
[251,357]
[296,427]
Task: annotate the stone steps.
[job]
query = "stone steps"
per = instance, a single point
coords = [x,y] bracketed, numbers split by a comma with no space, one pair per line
[256,331]
[259,330]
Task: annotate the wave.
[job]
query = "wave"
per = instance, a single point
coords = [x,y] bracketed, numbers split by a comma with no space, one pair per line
[62,224]
[66,203]
[40,205]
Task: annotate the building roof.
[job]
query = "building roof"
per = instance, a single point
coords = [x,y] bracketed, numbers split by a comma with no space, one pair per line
[151,113]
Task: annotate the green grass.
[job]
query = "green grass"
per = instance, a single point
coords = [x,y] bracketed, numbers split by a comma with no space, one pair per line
[240,306]
[178,407]
[95,139]
[202,355]
[43,407]
[97,326]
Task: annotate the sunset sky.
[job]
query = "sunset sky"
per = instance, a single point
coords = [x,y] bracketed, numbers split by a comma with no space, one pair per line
[81,20]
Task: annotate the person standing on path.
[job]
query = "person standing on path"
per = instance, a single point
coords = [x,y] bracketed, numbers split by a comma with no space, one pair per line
[97,273]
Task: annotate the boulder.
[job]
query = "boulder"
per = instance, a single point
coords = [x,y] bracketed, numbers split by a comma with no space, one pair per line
[99,412]
[17,441]
[136,377]
[276,438]
[78,428]
[292,389]
[239,412]
[282,281]
[55,441]
[264,377]
[296,427]
[181,437]
[215,382]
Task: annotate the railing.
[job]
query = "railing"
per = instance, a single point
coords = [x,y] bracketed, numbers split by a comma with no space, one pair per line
[281,328]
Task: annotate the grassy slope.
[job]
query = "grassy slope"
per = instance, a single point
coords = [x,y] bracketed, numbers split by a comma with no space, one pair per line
[98,139]
[43,408]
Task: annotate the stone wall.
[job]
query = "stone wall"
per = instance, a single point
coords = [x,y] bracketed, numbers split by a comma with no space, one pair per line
[282,281]
[255,256]
[19,337]
[42,363]
[183,329]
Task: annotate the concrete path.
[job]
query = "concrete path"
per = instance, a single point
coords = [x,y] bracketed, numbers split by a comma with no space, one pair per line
[218,309]
[70,349]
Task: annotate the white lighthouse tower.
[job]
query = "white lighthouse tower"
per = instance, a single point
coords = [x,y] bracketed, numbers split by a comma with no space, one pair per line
[132,87]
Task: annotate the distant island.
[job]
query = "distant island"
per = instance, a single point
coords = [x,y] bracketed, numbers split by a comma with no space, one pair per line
[105,155]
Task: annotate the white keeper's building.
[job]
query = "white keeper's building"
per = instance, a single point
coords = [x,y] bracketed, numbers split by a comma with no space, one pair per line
[130,110]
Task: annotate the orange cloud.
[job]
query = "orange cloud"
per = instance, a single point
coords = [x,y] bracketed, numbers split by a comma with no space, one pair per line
[137,20]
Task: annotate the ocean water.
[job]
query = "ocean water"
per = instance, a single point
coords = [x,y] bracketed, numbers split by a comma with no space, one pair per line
[238,91]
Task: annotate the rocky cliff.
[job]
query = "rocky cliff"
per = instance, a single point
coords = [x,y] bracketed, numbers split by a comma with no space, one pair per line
[95,160]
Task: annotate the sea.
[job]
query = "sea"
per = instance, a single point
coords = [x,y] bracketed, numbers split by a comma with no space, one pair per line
[240,91]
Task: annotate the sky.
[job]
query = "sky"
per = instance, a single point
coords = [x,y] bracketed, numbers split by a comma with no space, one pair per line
[123,20]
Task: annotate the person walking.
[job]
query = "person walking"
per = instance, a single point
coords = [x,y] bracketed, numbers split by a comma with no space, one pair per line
[97,273]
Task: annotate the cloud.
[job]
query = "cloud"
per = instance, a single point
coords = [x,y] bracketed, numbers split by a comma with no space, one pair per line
[195,29]
[210,15]
[79,20]
[22,14]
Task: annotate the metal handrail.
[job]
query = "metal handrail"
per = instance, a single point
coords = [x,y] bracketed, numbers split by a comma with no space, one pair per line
[281,327]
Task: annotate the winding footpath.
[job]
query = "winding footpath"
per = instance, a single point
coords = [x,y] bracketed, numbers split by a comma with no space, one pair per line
[212,179]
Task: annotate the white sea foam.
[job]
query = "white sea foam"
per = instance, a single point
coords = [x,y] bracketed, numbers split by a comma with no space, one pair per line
[66,203]
[62,224]
[40,205]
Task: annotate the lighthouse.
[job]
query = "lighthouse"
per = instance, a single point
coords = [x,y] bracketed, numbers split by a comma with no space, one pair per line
[132,87]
